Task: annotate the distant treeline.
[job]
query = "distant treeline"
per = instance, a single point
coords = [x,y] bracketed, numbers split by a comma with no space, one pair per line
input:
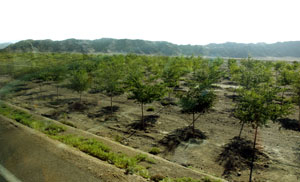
[107,45]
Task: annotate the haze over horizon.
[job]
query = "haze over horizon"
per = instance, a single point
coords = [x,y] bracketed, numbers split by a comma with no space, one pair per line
[179,22]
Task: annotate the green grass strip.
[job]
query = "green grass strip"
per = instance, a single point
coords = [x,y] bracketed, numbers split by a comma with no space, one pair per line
[86,145]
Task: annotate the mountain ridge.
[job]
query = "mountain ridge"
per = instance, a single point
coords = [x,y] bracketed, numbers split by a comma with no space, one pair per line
[4,45]
[138,46]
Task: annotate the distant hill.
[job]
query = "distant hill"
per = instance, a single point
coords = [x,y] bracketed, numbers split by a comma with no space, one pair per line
[3,45]
[107,45]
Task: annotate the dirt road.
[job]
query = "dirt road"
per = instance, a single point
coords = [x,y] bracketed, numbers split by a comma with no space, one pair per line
[29,159]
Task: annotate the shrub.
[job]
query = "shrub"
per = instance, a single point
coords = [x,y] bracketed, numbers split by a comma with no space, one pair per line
[155,151]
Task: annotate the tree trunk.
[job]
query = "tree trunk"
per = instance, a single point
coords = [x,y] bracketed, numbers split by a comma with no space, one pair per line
[253,155]
[234,93]
[80,97]
[242,127]
[143,124]
[282,96]
[193,124]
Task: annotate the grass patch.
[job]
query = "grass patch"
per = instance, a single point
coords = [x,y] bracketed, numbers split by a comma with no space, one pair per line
[144,158]
[53,129]
[155,151]
[21,117]
[102,152]
[28,120]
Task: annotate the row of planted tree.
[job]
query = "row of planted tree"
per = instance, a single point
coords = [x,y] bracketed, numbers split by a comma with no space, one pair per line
[261,92]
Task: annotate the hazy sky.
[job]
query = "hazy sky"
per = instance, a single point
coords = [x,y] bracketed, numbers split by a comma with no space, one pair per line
[180,22]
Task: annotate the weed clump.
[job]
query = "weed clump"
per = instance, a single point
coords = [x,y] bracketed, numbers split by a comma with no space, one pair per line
[155,151]
[53,129]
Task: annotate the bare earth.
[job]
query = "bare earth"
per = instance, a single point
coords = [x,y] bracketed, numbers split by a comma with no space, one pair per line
[279,147]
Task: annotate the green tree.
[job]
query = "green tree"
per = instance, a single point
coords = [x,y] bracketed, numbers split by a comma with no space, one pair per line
[256,107]
[144,91]
[58,74]
[109,79]
[296,89]
[197,100]
[285,79]
[41,75]
[80,81]
[170,75]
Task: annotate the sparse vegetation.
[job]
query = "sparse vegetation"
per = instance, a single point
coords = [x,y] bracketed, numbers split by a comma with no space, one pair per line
[261,92]
[155,151]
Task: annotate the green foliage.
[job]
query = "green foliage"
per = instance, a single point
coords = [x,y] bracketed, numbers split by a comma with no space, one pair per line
[253,73]
[109,78]
[197,100]
[171,74]
[145,93]
[286,77]
[57,73]
[87,145]
[257,106]
[101,151]
[296,86]
[209,72]
[144,90]
[30,121]
[79,81]
[53,129]
[144,157]
[155,151]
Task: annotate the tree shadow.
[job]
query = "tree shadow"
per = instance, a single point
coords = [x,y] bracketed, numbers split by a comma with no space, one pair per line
[149,121]
[32,93]
[173,139]
[53,115]
[43,97]
[21,88]
[168,101]
[104,112]
[233,97]
[289,124]
[77,106]
[237,156]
